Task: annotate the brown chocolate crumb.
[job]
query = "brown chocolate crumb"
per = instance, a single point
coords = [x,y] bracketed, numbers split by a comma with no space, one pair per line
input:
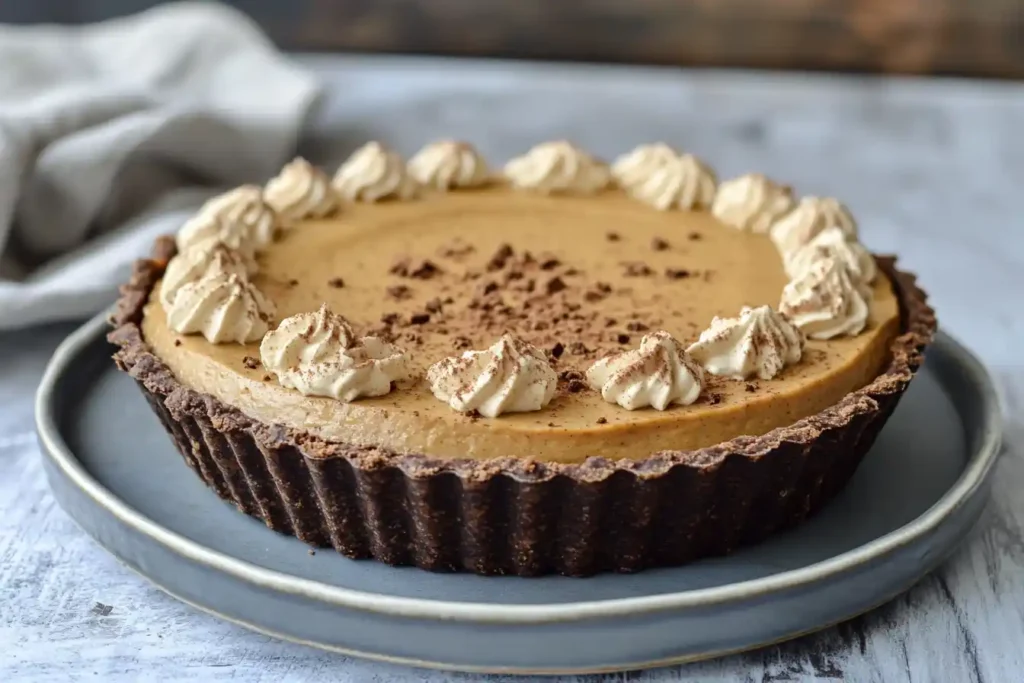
[557,350]
[461,343]
[550,263]
[420,318]
[267,378]
[489,288]
[434,305]
[622,338]
[251,362]
[637,269]
[613,237]
[636,326]
[610,322]
[399,292]
[578,348]
[420,269]
[293,283]
[592,296]
[177,342]
[714,399]
[391,318]
[694,236]
[658,244]
[677,273]
[555,285]
[500,257]
[473,415]
[576,386]
[751,387]
[552,424]
[570,375]
[602,420]
[456,249]
[336,283]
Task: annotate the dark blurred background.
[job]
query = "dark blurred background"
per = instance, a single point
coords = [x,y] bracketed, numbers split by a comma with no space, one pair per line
[958,37]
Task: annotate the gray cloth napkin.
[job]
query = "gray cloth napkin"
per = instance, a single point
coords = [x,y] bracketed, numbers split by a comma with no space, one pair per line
[111,134]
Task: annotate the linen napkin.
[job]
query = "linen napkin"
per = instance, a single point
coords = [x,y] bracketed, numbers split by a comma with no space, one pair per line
[112,133]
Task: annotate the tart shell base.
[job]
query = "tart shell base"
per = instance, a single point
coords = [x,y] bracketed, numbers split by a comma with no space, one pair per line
[516,515]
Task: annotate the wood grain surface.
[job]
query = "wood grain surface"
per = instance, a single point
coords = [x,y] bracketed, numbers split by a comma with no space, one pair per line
[931,168]
[963,37]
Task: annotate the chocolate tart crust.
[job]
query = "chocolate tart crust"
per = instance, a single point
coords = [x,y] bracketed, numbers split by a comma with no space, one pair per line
[518,515]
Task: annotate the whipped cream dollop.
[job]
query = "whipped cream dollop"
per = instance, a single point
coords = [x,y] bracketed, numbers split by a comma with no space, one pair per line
[449,164]
[199,260]
[658,175]
[638,164]
[318,354]
[657,374]
[682,183]
[832,243]
[223,307]
[511,376]
[808,219]
[235,217]
[558,167]
[760,342]
[751,202]
[373,173]
[301,190]
[826,301]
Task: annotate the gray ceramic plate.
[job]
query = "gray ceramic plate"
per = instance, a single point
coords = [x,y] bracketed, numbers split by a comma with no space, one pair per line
[917,493]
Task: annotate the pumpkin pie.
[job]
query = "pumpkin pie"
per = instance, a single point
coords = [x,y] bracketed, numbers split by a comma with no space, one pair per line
[561,366]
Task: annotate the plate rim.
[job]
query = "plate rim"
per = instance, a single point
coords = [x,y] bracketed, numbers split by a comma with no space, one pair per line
[966,486]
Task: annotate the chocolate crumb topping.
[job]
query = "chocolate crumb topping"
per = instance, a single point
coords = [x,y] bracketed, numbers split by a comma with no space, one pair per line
[695,236]
[636,326]
[420,269]
[391,318]
[714,398]
[456,249]
[399,292]
[751,387]
[489,288]
[613,237]
[658,244]
[434,305]
[575,386]
[293,283]
[622,338]
[419,318]
[637,269]
[177,342]
[251,362]
[610,322]
[677,273]
[501,257]
[578,348]
[555,285]
[267,378]
[462,343]
[570,376]
[592,296]
[336,283]
[602,420]
[550,263]
[557,350]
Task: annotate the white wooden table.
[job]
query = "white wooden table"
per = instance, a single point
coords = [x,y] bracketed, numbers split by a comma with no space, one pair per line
[934,171]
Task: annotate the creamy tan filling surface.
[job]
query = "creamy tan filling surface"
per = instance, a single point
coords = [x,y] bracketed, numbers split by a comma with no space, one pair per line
[625,268]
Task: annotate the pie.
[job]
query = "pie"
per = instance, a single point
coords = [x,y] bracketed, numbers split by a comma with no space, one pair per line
[562,366]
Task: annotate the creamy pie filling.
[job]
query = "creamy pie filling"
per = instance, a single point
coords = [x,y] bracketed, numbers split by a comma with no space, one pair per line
[578,277]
